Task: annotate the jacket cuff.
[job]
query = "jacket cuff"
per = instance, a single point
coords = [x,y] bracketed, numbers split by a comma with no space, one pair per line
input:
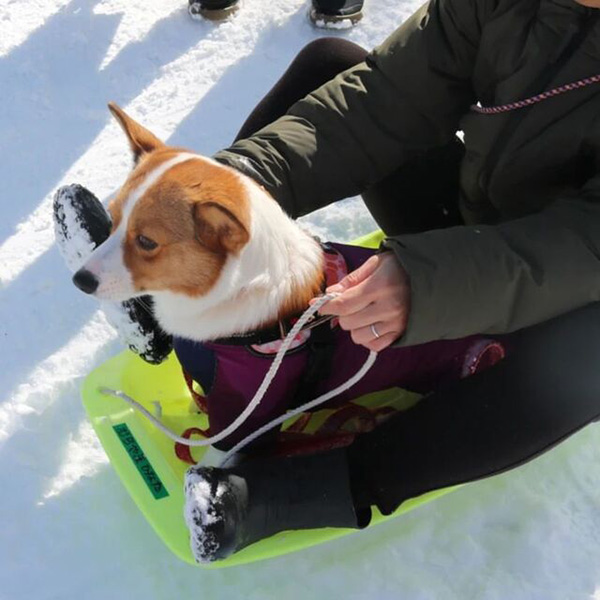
[453,292]
[240,163]
[421,325]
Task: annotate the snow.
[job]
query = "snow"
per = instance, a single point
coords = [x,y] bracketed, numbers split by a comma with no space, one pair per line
[69,529]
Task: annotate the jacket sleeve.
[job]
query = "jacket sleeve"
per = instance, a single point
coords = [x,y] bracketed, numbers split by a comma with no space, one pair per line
[407,97]
[498,279]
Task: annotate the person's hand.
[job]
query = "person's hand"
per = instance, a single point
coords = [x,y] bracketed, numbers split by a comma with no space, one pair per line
[374,302]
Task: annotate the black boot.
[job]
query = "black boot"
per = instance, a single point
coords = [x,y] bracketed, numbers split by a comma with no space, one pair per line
[332,13]
[81,224]
[229,509]
[214,10]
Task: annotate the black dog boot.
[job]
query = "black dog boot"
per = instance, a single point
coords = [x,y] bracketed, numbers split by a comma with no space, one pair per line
[81,224]
[229,509]
[336,13]
[214,10]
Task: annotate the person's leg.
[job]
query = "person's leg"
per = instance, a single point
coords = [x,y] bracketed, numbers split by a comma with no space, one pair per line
[318,62]
[544,391]
[227,510]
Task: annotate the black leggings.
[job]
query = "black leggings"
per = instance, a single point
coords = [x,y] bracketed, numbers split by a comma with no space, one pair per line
[545,390]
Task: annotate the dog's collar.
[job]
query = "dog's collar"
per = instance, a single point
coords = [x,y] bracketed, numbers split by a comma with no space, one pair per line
[335,269]
[276,333]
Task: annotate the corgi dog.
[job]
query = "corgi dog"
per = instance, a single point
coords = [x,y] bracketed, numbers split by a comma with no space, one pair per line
[217,253]
[224,264]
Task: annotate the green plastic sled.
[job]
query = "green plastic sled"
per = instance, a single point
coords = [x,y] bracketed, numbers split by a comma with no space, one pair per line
[145,460]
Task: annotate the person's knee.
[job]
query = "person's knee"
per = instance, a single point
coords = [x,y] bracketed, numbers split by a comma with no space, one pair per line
[330,53]
[318,47]
[565,352]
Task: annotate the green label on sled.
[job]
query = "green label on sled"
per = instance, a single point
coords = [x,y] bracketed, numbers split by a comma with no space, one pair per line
[152,480]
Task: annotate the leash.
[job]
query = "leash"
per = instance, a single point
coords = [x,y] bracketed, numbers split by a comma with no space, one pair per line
[264,386]
[502,108]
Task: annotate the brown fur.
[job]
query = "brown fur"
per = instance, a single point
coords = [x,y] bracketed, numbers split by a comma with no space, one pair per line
[196,217]
[141,140]
[147,164]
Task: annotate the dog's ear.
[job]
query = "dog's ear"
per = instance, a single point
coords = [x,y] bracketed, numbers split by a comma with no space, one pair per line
[140,139]
[221,226]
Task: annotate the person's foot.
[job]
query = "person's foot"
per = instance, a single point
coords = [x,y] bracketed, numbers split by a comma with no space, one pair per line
[229,509]
[216,510]
[336,13]
[81,224]
[214,10]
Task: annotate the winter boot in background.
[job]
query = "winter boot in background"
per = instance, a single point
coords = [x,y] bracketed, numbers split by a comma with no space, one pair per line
[214,10]
[229,509]
[336,13]
[81,224]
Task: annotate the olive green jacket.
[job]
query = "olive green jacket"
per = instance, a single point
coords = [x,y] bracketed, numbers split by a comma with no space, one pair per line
[530,179]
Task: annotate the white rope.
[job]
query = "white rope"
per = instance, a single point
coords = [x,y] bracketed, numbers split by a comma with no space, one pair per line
[307,406]
[264,386]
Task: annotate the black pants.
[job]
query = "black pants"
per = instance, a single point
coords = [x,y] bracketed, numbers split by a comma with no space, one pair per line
[545,390]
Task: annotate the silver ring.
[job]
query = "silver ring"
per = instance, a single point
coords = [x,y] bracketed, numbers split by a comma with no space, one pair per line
[375,332]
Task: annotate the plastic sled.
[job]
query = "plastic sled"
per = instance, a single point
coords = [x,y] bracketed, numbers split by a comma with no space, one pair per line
[145,460]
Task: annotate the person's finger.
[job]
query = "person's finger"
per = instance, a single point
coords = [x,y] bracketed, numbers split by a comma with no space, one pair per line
[382,342]
[373,313]
[366,335]
[348,302]
[355,277]
[355,291]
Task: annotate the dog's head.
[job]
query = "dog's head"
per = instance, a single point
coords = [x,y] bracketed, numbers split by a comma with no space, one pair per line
[176,220]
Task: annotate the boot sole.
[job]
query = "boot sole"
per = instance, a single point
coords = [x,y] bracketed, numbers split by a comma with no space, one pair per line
[214,14]
[323,21]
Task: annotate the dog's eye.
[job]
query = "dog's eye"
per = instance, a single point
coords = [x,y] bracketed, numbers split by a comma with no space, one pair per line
[145,243]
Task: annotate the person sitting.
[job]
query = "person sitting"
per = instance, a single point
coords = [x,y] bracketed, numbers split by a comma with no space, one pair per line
[500,234]
[497,235]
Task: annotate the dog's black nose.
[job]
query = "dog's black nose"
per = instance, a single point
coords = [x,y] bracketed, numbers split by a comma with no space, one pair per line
[86,281]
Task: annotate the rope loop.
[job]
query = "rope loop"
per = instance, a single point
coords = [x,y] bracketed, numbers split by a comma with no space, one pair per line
[502,108]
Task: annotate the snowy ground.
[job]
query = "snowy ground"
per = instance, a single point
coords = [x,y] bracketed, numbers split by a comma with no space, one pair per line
[68,528]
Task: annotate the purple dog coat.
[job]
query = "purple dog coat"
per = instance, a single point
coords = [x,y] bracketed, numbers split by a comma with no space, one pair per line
[230,374]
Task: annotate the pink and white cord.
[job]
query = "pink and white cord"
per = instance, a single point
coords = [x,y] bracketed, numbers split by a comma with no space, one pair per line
[502,108]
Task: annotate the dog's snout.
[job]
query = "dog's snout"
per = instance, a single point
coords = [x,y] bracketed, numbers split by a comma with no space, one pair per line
[86,281]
